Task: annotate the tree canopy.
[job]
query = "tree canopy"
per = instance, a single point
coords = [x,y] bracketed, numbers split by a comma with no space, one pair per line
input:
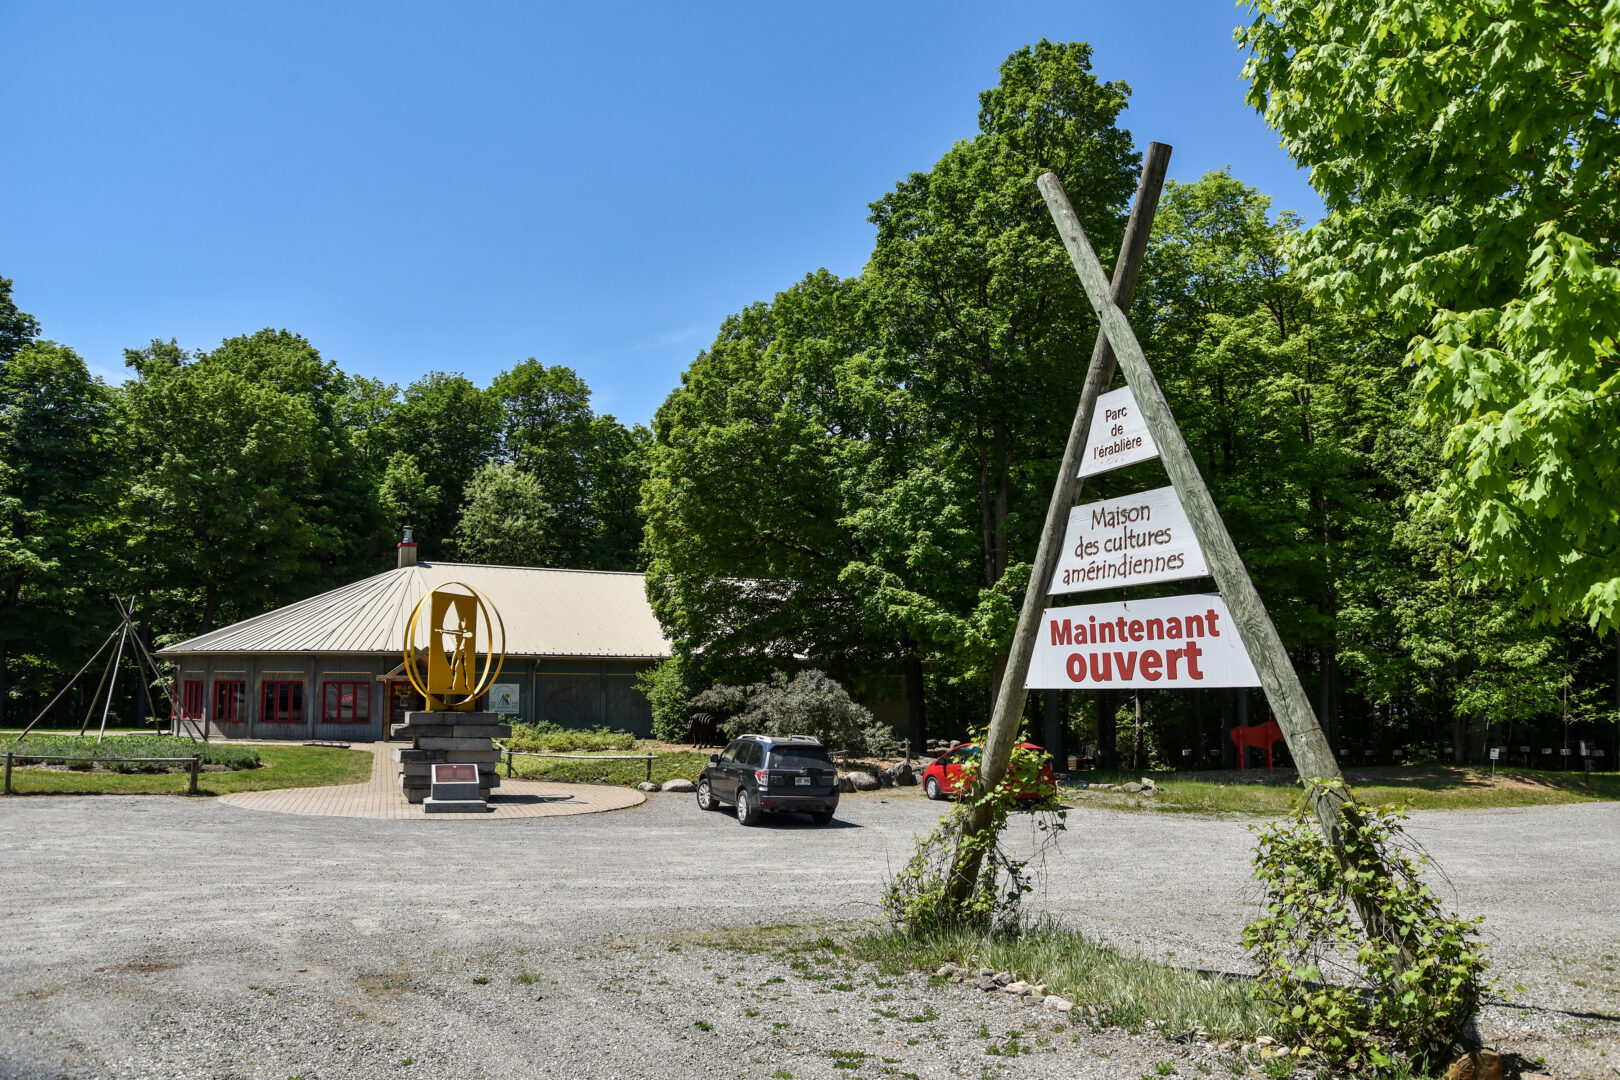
[1466,153]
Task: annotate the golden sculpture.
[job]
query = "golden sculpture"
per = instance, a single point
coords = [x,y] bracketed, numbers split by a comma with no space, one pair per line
[453,681]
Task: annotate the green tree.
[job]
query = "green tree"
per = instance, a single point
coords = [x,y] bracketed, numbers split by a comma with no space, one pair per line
[225,509]
[17,328]
[1466,152]
[404,493]
[451,428]
[56,470]
[507,520]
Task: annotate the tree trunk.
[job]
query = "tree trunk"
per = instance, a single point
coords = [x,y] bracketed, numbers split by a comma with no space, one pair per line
[1136,732]
[1055,721]
[1107,731]
[210,608]
[916,708]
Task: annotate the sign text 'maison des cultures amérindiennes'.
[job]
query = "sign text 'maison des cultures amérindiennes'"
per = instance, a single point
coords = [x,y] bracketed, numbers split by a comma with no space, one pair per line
[1173,641]
[1134,540]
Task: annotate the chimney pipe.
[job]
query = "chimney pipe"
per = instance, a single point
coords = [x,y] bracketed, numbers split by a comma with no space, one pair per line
[407,549]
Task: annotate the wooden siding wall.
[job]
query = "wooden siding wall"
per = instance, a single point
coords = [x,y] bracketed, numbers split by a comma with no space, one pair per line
[583,693]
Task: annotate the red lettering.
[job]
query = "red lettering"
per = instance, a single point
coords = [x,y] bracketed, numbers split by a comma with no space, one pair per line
[1136,629]
[1077,667]
[1193,653]
[1212,617]
[1062,633]
[1174,657]
[1121,622]
[1126,670]
[1151,664]
[1104,673]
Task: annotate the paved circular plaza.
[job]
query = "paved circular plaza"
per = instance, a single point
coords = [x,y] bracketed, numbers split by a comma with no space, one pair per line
[380,797]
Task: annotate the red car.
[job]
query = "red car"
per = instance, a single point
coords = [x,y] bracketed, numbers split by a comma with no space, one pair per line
[943,778]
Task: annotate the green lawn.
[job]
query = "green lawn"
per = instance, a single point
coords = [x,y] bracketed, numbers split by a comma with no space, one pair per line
[283,767]
[1420,788]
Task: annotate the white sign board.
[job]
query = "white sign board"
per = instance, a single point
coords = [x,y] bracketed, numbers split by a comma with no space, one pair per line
[1135,540]
[1171,642]
[503,698]
[1118,435]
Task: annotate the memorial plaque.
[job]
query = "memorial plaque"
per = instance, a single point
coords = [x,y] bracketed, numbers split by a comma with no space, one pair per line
[455,774]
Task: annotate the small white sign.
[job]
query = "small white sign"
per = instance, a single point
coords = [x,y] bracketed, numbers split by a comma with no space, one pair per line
[1118,435]
[503,698]
[1173,641]
[1496,753]
[1134,540]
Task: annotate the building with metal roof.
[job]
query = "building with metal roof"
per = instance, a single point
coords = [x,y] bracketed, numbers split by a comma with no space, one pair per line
[330,667]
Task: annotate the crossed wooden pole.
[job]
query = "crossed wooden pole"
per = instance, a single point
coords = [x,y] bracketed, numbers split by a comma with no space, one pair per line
[1116,342]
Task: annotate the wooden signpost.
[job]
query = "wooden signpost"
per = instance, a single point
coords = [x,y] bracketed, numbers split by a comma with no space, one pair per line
[1248,616]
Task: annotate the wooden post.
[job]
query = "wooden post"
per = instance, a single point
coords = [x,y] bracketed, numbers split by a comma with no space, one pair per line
[509,764]
[1011,695]
[196,767]
[649,768]
[8,772]
[1295,717]
[112,685]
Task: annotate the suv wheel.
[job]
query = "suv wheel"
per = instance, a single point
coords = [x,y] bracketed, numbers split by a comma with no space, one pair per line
[931,788]
[705,797]
[822,817]
[747,812]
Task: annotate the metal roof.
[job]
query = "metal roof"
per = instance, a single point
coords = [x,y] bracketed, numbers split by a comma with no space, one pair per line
[546,613]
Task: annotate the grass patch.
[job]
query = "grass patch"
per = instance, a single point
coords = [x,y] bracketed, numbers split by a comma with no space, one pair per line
[1423,788]
[671,765]
[1108,988]
[220,755]
[280,767]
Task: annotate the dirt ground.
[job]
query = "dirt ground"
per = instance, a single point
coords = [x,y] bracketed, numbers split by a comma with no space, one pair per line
[168,937]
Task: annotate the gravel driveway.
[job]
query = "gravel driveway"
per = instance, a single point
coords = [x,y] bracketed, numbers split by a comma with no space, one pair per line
[165,937]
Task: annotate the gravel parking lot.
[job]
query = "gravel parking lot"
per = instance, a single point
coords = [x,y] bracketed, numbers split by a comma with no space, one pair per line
[165,937]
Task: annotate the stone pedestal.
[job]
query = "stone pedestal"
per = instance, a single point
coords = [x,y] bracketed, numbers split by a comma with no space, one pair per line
[448,738]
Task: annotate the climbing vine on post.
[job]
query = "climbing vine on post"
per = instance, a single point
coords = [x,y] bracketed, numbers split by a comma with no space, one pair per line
[1361,995]
[926,896]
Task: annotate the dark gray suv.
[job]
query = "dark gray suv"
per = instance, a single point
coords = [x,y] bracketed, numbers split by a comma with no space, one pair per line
[771,774]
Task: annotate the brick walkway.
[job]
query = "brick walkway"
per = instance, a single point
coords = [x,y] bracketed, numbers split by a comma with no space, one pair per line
[380,797]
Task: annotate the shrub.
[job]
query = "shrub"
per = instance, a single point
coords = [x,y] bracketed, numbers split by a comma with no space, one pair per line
[808,704]
[136,746]
[543,737]
[669,698]
[1406,990]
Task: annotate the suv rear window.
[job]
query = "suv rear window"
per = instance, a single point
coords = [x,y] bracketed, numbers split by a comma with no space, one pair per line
[799,757]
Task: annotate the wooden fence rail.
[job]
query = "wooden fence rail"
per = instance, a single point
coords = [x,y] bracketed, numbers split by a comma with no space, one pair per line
[195,761]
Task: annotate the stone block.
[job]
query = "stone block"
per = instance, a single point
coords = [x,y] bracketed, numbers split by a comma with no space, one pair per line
[452,744]
[481,757]
[450,716]
[456,806]
[485,731]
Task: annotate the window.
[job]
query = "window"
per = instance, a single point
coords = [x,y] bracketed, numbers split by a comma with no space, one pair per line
[730,752]
[346,703]
[799,757]
[283,703]
[750,754]
[191,699]
[230,701]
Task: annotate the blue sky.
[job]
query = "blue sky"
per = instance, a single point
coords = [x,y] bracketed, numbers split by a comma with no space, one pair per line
[458,187]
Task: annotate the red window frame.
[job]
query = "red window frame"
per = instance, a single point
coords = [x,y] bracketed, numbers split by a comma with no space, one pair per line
[190,706]
[230,701]
[346,702]
[281,703]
